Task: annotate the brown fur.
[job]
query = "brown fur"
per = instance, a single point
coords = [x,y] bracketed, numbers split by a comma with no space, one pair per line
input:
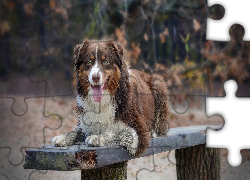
[141,99]
[82,82]
[114,79]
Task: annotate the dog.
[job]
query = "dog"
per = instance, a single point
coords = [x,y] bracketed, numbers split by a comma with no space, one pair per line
[116,105]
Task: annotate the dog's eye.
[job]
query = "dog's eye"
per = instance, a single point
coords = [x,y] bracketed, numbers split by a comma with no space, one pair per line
[89,62]
[105,61]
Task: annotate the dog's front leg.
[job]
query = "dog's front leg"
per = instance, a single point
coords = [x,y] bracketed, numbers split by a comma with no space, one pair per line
[74,137]
[119,135]
[128,138]
[104,139]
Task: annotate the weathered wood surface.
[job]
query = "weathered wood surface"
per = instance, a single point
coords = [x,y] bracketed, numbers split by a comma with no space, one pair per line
[117,171]
[198,162]
[80,157]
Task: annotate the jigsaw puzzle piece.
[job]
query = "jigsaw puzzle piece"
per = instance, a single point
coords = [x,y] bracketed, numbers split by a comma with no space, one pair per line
[164,37]
[15,84]
[240,172]
[163,167]
[65,107]
[11,53]
[238,62]
[9,171]
[218,30]
[84,20]
[29,130]
[182,83]
[135,166]
[95,15]
[88,11]
[157,20]
[234,142]
[54,70]
[38,20]
[227,60]
[189,77]
[138,167]
[37,56]
[18,97]
[182,79]
[195,115]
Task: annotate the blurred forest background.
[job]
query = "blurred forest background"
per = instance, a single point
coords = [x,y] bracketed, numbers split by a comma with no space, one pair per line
[160,36]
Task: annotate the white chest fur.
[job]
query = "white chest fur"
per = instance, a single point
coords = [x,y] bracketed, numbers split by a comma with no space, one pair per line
[99,116]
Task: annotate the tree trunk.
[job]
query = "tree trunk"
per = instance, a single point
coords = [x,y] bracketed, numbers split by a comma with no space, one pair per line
[116,171]
[198,162]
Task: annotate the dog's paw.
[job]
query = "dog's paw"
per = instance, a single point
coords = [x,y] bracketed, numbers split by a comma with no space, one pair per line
[130,141]
[95,140]
[132,151]
[59,140]
[132,148]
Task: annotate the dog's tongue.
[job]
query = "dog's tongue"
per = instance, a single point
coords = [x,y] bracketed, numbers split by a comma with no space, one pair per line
[97,93]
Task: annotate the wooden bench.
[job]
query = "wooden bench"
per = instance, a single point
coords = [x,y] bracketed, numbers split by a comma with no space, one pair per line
[193,159]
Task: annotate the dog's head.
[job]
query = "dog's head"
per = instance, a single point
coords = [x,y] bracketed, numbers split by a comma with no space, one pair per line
[99,66]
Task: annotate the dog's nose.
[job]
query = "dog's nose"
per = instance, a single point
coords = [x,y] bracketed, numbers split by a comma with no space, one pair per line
[96,77]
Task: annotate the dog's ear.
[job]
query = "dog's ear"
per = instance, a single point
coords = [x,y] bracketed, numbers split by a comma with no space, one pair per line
[117,47]
[78,50]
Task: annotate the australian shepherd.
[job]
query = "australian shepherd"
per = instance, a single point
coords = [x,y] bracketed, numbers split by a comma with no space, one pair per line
[116,105]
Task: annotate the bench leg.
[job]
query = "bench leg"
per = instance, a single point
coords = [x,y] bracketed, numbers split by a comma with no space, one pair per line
[198,162]
[116,171]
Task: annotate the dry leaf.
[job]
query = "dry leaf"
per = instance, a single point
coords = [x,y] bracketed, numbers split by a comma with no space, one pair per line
[197,25]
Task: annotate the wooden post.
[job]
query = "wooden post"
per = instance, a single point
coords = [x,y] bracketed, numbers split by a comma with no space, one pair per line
[117,171]
[198,162]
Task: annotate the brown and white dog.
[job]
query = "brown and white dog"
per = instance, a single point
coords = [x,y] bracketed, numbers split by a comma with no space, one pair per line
[115,104]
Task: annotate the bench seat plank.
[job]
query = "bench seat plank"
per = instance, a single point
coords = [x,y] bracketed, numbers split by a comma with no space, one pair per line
[80,157]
